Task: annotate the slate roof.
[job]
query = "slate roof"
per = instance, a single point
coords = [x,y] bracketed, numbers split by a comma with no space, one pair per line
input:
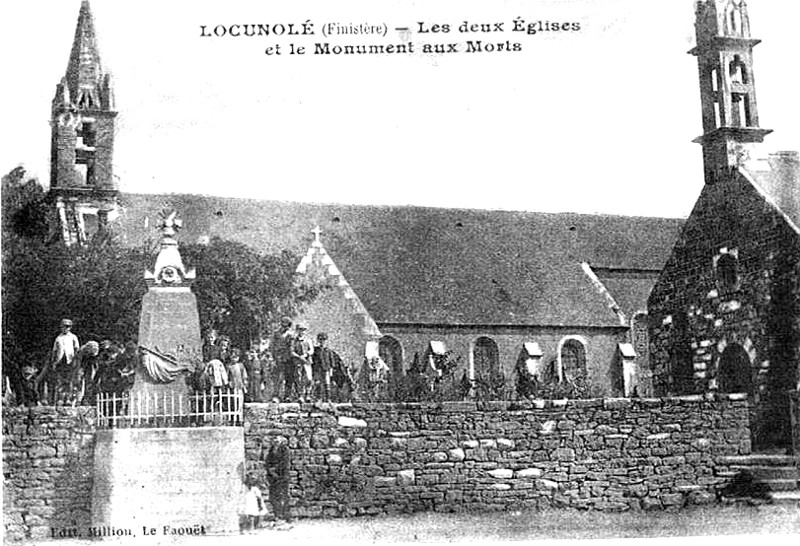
[417,265]
[630,293]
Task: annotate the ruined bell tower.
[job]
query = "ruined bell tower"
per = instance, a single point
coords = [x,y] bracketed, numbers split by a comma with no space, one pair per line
[724,54]
[83,191]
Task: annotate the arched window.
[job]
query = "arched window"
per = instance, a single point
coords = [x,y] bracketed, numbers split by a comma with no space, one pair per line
[734,372]
[572,359]
[485,357]
[738,70]
[391,352]
[727,268]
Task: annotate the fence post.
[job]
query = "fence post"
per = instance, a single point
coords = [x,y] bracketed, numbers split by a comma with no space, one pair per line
[97,402]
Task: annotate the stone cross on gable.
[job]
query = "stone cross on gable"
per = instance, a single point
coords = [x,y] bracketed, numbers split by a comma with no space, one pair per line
[316,231]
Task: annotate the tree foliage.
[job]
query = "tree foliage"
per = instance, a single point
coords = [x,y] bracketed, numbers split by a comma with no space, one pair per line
[242,293]
[100,286]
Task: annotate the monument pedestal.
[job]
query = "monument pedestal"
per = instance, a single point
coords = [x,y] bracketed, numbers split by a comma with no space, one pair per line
[180,478]
[169,325]
[176,481]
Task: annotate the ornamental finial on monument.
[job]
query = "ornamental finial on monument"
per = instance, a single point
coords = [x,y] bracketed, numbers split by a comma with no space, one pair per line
[169,270]
[169,224]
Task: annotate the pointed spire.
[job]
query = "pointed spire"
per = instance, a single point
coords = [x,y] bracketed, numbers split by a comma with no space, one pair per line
[84,70]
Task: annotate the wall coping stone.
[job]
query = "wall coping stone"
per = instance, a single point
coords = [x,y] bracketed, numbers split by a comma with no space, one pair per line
[617,403]
[686,398]
[495,406]
[469,406]
[459,406]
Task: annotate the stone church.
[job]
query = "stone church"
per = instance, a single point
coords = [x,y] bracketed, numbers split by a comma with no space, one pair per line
[487,287]
[725,311]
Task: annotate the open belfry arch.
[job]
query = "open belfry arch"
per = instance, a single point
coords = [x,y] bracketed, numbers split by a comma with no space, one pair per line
[724,54]
[83,190]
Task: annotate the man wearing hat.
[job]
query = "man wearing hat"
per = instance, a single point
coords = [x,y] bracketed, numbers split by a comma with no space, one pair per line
[302,351]
[59,374]
[281,348]
[323,362]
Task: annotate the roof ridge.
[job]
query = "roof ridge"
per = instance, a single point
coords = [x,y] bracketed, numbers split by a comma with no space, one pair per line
[410,207]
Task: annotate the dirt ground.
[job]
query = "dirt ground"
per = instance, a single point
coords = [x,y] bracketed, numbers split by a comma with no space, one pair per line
[707,525]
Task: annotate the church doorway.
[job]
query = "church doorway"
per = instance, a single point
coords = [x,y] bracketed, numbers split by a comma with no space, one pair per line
[391,352]
[768,409]
[734,373]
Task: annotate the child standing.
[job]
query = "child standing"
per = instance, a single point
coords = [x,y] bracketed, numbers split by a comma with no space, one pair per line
[253,504]
[237,375]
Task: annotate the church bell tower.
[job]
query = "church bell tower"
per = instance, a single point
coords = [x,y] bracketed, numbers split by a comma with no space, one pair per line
[82,186]
[724,54]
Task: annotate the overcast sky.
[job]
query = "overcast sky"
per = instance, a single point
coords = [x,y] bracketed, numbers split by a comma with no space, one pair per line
[595,120]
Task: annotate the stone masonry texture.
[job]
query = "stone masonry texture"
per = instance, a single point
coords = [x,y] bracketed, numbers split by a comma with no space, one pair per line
[354,459]
[694,318]
[48,464]
[604,454]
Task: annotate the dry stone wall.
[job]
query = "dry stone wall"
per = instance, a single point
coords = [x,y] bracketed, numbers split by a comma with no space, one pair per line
[605,454]
[48,464]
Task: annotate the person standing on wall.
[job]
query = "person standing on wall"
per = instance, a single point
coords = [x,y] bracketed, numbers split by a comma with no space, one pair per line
[323,361]
[281,347]
[302,353]
[59,374]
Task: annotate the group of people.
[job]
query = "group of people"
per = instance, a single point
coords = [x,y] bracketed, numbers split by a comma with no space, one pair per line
[223,368]
[72,373]
[306,370]
[287,367]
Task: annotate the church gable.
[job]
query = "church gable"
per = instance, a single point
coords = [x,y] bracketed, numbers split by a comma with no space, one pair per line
[337,310]
[731,287]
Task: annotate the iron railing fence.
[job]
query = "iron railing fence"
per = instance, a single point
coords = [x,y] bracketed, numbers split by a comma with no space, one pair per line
[150,410]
